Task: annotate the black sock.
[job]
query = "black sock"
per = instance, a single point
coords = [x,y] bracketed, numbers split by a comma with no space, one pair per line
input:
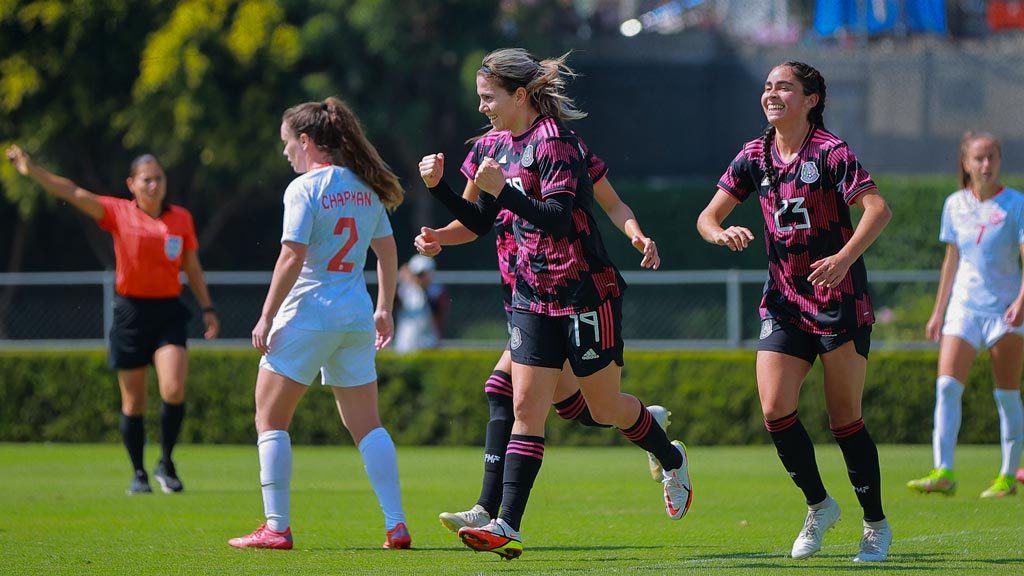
[134,435]
[522,463]
[861,457]
[575,408]
[171,417]
[499,427]
[646,434]
[796,451]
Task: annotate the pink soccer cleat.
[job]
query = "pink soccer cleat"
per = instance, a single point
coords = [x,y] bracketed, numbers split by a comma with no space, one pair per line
[264,537]
[398,538]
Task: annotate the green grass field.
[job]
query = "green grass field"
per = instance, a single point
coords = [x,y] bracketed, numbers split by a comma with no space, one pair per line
[593,511]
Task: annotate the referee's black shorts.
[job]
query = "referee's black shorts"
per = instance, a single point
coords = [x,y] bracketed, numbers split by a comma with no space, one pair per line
[141,325]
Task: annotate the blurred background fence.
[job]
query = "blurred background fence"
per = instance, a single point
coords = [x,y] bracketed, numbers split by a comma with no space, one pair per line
[681,309]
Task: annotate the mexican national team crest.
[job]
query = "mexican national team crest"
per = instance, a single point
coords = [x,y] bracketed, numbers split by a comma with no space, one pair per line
[172,247]
[527,160]
[809,172]
[766,329]
[515,340]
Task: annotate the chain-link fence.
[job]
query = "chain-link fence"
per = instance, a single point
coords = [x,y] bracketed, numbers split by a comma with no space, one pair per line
[664,309]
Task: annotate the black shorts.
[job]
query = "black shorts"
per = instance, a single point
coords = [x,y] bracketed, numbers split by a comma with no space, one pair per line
[141,325]
[590,340]
[788,339]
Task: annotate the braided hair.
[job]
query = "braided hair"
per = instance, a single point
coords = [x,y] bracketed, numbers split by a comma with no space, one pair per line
[813,83]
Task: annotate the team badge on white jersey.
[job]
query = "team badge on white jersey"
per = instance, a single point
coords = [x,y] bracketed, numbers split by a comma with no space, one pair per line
[809,172]
[527,160]
[173,246]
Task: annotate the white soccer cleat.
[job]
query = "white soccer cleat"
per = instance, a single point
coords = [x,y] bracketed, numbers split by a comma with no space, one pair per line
[817,523]
[874,544]
[475,517]
[660,415]
[677,487]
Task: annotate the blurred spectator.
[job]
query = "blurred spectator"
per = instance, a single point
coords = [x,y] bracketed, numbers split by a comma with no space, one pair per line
[422,306]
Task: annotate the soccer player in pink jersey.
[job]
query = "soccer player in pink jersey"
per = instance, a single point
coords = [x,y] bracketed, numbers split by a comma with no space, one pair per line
[566,295]
[816,299]
[318,316]
[979,304]
[569,402]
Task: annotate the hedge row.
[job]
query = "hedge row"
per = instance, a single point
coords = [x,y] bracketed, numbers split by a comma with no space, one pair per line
[437,398]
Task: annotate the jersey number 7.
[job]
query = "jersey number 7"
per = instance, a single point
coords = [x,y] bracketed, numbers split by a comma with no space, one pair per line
[337,263]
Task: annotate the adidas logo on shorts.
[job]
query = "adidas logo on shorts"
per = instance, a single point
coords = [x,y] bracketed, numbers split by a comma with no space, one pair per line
[590,355]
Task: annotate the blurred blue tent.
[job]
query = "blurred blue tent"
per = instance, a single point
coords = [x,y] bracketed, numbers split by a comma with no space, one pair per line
[879,16]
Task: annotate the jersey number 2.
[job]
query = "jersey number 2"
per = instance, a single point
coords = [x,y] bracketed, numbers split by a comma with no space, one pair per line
[337,263]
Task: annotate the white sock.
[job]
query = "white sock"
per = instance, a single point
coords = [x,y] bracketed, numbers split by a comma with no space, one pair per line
[381,465]
[275,447]
[948,394]
[1011,428]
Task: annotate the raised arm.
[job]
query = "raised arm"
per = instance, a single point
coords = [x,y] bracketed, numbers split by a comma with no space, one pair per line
[197,282]
[430,240]
[387,280]
[622,216]
[56,185]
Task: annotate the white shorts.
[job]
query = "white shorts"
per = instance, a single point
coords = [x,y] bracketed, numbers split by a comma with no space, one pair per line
[979,330]
[344,359]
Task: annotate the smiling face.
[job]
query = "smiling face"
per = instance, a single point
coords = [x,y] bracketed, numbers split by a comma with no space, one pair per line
[149,186]
[783,99]
[498,104]
[294,150]
[981,161]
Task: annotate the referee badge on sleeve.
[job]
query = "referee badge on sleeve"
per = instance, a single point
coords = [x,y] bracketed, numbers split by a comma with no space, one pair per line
[173,246]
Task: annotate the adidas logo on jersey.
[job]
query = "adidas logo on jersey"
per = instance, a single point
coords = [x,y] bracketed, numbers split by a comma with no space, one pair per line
[590,355]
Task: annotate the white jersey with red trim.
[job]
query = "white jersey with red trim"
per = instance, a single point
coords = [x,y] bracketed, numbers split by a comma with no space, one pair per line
[988,235]
[336,214]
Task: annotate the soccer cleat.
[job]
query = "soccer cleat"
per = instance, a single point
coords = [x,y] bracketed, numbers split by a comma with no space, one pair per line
[264,537]
[677,487]
[817,523]
[660,415]
[475,517]
[874,544]
[398,538]
[940,480]
[167,477]
[497,537]
[1001,487]
[1020,475]
[140,484]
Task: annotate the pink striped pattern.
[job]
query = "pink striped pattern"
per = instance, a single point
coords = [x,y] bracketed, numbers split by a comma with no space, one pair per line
[498,383]
[606,321]
[528,449]
[642,426]
[848,430]
[572,411]
[782,423]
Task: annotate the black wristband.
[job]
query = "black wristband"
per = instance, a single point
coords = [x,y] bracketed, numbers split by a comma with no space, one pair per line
[210,308]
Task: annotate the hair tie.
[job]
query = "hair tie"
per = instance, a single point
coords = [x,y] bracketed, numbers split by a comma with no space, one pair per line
[323,106]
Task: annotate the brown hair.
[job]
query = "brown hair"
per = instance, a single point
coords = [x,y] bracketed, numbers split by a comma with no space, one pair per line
[813,83]
[970,137]
[543,80]
[334,128]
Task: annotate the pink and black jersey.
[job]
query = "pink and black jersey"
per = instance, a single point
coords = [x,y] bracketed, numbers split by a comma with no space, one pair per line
[505,239]
[807,218]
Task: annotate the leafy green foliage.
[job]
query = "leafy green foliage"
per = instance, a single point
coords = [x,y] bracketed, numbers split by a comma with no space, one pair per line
[437,398]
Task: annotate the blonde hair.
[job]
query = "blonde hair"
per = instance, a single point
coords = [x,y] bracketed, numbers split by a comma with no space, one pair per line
[334,128]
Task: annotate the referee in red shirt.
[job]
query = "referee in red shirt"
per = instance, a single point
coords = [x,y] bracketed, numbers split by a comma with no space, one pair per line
[153,242]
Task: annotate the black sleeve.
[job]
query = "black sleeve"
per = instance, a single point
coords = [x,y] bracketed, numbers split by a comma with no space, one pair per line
[477,216]
[553,215]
